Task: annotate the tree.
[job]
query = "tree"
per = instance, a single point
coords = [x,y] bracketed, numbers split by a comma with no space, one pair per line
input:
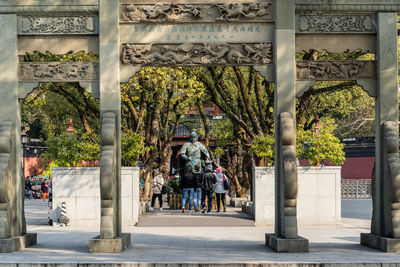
[154,103]
[320,147]
[247,100]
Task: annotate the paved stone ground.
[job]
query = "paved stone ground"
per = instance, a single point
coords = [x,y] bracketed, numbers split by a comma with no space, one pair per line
[328,244]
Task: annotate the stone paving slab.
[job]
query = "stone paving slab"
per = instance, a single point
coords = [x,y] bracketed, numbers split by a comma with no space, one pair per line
[233,217]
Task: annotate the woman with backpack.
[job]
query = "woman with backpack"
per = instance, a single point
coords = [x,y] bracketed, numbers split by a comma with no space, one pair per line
[221,188]
[158,182]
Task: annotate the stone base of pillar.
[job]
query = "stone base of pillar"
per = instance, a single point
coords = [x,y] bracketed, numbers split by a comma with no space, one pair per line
[290,245]
[119,244]
[16,243]
[385,244]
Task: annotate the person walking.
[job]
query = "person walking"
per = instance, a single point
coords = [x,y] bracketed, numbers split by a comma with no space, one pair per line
[187,185]
[158,182]
[28,187]
[221,189]
[209,180]
[198,188]
[45,189]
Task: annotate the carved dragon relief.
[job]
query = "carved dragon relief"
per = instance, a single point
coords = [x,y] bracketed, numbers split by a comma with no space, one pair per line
[192,54]
[391,183]
[258,11]
[58,72]
[289,175]
[335,70]
[336,23]
[57,25]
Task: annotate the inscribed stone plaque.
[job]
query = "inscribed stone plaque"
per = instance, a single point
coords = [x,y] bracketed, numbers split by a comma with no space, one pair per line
[197,33]
[28,25]
[335,24]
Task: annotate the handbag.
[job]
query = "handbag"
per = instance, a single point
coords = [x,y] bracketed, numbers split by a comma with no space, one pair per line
[163,189]
[225,183]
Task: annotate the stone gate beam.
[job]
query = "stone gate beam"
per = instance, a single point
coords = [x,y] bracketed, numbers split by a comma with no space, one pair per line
[385,228]
[12,185]
[286,237]
[110,239]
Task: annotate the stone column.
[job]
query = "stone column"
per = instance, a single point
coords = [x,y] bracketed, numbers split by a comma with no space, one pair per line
[385,221]
[285,238]
[12,185]
[110,239]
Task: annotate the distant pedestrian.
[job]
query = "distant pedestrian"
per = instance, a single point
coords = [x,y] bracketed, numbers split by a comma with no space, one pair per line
[209,180]
[28,188]
[45,189]
[158,182]
[187,184]
[221,189]
[198,187]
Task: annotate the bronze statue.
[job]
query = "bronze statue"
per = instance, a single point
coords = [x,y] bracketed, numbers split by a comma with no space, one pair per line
[191,153]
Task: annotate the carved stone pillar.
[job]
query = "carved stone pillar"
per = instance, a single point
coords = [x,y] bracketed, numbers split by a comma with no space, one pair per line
[111,239]
[285,238]
[385,228]
[13,234]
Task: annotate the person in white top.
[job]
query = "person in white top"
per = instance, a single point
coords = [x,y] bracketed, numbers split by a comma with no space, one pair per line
[221,189]
[158,182]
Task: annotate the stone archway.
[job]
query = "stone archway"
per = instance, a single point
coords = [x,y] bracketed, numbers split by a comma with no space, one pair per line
[129,34]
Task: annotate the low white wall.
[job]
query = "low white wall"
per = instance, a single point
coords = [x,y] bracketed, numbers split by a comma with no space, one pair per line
[318,200]
[80,188]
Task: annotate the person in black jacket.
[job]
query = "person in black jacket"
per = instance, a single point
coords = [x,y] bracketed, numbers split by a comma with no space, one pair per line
[198,187]
[28,187]
[187,185]
[209,180]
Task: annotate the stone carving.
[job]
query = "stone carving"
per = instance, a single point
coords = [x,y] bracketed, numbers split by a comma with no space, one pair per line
[335,70]
[335,24]
[391,183]
[192,54]
[239,11]
[58,72]
[109,223]
[288,176]
[261,11]
[159,12]
[57,25]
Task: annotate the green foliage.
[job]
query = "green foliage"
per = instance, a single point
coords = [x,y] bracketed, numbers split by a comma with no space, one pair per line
[222,132]
[53,164]
[50,57]
[71,151]
[218,152]
[263,146]
[132,148]
[320,148]
[175,185]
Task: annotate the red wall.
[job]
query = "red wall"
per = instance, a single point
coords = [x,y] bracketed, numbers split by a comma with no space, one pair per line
[33,166]
[358,168]
[354,168]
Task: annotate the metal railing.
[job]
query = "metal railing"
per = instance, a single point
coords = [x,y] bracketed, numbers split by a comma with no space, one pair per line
[356,188]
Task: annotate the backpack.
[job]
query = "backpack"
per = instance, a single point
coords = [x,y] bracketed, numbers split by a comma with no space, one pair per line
[164,190]
[225,183]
